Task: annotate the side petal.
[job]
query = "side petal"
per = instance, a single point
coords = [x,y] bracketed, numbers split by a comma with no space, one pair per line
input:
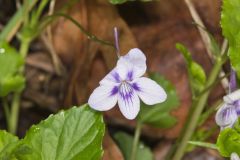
[128,102]
[111,78]
[226,116]
[103,97]
[149,91]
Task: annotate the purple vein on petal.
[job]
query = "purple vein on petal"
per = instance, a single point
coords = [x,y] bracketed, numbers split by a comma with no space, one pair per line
[114,91]
[126,92]
[136,87]
[116,77]
[130,76]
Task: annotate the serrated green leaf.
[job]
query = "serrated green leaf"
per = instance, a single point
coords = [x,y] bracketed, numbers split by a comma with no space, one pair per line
[10,146]
[6,138]
[197,75]
[230,22]
[159,115]
[73,134]
[125,142]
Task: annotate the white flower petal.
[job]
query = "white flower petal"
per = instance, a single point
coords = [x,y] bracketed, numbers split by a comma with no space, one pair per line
[137,58]
[234,156]
[149,91]
[132,65]
[230,98]
[111,78]
[103,97]
[128,101]
[226,116]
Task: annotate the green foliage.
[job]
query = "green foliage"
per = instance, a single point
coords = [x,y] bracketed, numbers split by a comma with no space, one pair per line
[125,142]
[10,62]
[230,22]
[196,73]
[73,134]
[228,142]
[159,114]
[123,1]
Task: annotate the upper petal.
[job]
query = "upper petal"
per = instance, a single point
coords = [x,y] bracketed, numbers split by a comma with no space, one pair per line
[137,58]
[128,101]
[103,97]
[132,65]
[226,116]
[149,91]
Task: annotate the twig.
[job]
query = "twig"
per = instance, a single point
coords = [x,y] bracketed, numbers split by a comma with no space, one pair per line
[58,66]
[206,39]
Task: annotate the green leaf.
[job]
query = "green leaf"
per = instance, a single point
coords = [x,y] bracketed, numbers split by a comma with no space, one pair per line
[125,142]
[6,139]
[73,134]
[228,142]
[10,147]
[196,73]
[230,22]
[159,115]
[10,62]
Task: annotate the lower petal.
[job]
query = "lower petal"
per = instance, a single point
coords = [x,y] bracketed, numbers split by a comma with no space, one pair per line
[149,91]
[103,98]
[129,105]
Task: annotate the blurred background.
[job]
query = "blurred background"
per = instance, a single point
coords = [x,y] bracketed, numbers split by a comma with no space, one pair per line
[64,67]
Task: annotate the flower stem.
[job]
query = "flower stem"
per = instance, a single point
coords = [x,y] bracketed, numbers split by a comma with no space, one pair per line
[13,119]
[198,107]
[136,140]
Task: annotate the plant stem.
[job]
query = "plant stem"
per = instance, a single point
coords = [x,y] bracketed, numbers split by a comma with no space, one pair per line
[14,114]
[198,107]
[13,119]
[136,140]
[6,109]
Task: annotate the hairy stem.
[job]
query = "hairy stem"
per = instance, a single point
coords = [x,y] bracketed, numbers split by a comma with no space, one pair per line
[198,107]
[136,141]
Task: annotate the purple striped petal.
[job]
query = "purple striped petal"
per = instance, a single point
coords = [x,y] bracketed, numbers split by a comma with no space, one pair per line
[128,101]
[226,116]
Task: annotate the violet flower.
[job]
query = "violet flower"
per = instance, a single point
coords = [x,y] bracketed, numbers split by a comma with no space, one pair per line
[230,110]
[124,85]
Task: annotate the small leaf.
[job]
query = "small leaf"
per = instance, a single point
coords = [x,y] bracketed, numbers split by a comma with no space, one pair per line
[10,62]
[125,142]
[196,73]
[230,22]
[73,134]
[228,142]
[159,115]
